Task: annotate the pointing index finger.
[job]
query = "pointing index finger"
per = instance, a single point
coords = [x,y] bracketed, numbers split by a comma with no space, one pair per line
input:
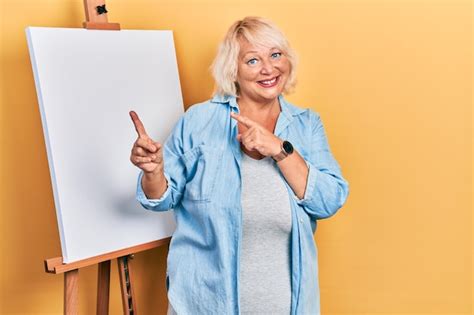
[138,125]
[244,120]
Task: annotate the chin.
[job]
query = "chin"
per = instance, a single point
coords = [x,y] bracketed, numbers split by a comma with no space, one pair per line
[263,95]
[270,95]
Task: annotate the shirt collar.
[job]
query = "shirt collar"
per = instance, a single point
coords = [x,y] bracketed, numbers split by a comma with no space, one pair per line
[287,108]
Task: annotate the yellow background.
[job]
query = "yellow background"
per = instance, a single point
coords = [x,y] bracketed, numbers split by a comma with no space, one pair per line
[392,81]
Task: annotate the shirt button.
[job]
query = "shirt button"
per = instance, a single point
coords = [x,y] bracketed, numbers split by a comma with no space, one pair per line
[301,220]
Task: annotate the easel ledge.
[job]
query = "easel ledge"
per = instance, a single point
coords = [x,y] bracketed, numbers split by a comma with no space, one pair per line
[56,265]
[71,277]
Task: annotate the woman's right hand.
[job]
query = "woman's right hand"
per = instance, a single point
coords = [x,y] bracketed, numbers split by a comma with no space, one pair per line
[146,153]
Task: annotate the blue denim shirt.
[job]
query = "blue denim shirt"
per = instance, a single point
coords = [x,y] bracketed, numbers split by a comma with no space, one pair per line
[202,165]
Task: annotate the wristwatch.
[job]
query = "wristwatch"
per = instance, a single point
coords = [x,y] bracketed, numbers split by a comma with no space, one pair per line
[286,149]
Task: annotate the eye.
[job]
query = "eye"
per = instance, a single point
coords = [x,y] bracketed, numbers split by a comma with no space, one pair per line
[276,55]
[252,61]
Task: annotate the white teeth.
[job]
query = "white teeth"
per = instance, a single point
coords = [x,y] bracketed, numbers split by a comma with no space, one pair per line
[268,82]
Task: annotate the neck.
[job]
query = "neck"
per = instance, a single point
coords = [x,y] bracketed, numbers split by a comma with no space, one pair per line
[263,108]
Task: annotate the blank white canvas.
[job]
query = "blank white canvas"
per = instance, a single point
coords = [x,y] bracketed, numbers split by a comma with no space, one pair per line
[87,81]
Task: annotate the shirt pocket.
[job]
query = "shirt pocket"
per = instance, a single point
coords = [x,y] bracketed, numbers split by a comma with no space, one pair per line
[202,166]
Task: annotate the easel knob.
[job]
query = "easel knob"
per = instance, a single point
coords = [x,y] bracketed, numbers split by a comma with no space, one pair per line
[101,9]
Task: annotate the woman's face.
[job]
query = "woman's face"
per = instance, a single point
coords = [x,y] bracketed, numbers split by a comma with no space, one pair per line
[262,72]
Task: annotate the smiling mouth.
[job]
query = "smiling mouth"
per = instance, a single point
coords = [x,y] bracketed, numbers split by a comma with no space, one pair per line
[269,83]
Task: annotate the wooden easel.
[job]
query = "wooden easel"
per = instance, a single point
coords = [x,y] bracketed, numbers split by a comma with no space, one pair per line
[96,18]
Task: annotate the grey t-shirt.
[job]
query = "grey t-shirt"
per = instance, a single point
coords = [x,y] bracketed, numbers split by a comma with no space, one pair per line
[265,283]
[265,276]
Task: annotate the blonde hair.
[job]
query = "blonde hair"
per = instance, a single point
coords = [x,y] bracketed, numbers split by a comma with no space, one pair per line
[257,31]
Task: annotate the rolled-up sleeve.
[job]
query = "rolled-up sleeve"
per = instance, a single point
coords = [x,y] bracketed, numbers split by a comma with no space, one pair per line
[174,171]
[326,189]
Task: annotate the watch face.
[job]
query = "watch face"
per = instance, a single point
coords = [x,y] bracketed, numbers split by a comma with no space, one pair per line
[288,147]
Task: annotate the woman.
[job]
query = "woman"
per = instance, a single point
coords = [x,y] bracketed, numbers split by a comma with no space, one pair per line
[247,174]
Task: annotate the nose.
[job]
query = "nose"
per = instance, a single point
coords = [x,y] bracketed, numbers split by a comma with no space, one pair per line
[267,67]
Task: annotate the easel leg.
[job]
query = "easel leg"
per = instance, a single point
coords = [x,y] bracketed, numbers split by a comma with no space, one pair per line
[128,302]
[71,290]
[103,288]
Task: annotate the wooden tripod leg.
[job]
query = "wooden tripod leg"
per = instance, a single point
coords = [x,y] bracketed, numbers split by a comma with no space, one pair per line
[71,290]
[103,288]
[128,301]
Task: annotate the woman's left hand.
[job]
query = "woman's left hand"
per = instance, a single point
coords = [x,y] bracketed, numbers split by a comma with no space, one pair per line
[257,137]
